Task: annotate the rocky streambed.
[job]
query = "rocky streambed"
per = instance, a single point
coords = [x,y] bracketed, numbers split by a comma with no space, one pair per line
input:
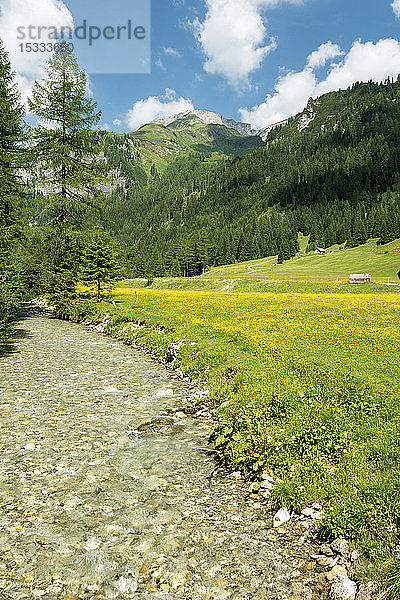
[106,491]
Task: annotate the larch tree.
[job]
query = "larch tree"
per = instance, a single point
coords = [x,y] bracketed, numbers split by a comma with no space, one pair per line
[66,151]
[68,167]
[11,135]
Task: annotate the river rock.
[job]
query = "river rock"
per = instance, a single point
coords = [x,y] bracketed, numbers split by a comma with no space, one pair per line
[266,484]
[312,513]
[172,352]
[180,415]
[335,572]
[158,424]
[101,327]
[281,517]
[326,549]
[318,515]
[340,546]
[343,588]
[126,585]
[355,555]
[179,578]
[324,561]
[254,487]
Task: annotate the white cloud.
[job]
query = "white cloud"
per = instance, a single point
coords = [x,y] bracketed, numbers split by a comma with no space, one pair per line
[325,52]
[24,85]
[89,86]
[117,122]
[173,52]
[292,92]
[364,61]
[396,8]
[18,13]
[154,107]
[233,35]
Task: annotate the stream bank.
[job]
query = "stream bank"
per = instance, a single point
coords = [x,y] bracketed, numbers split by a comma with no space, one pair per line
[92,508]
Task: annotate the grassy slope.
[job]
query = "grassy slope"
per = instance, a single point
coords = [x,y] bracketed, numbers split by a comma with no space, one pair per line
[381,262]
[305,273]
[159,144]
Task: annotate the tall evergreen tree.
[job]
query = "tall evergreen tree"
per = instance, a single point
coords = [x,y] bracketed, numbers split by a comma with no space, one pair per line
[66,154]
[66,150]
[11,133]
[99,261]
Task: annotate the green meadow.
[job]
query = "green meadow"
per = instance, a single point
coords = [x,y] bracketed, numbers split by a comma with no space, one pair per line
[304,381]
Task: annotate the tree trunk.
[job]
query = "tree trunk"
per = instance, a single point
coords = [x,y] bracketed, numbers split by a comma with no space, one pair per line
[63,170]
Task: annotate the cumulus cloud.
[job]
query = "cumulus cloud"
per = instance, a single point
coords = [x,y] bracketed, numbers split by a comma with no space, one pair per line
[233,37]
[117,122]
[154,107]
[396,8]
[173,52]
[325,52]
[364,61]
[16,14]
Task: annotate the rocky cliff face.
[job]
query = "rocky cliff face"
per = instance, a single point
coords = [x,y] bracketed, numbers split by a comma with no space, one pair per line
[263,133]
[243,128]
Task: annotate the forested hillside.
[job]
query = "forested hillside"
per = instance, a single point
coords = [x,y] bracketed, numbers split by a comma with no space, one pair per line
[153,147]
[332,172]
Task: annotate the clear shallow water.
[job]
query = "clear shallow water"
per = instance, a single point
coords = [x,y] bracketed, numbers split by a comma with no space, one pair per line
[90,509]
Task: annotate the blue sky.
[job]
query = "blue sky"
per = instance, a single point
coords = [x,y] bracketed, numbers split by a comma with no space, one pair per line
[247,59]
[299,30]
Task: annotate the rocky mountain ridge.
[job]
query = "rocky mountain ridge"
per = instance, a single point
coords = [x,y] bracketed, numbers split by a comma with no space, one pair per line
[209,118]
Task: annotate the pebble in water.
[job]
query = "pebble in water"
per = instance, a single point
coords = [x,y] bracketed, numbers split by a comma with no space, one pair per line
[92,509]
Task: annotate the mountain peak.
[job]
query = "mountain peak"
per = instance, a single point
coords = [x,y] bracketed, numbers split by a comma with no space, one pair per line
[208,118]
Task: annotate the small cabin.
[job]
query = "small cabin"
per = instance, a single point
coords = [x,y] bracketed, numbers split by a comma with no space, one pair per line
[319,251]
[357,278]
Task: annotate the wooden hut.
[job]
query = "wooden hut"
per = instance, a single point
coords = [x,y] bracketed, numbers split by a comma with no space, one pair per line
[357,278]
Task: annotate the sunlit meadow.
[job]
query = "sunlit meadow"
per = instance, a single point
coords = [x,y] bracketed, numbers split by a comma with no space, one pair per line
[304,385]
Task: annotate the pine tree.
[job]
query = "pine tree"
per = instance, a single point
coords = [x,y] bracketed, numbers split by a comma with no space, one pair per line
[99,262]
[202,256]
